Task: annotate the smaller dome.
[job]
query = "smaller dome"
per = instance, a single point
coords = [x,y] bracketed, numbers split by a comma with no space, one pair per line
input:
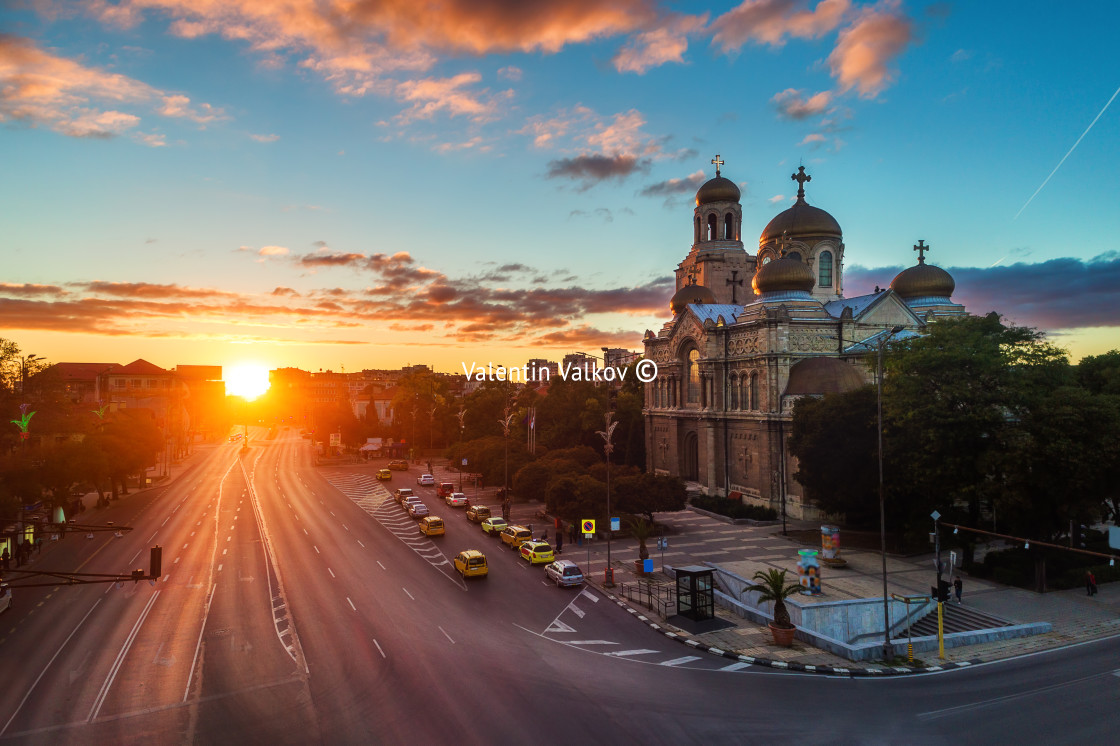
[801,220]
[822,375]
[783,274]
[690,294]
[718,189]
[923,281]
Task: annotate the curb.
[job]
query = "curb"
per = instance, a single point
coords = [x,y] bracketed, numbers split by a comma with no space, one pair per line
[849,672]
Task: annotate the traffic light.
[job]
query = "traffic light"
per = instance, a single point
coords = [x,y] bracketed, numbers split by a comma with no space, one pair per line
[155,562]
[941,592]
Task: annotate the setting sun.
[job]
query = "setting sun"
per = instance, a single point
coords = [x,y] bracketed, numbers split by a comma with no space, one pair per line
[247,381]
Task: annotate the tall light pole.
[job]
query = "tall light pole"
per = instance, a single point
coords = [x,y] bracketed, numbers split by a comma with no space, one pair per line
[608,447]
[462,413]
[882,510]
[505,472]
[24,368]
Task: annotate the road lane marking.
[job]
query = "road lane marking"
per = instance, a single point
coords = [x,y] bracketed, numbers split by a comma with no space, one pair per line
[305,531]
[1006,698]
[40,676]
[165,520]
[408,594]
[375,642]
[591,642]
[116,667]
[352,606]
[735,666]
[220,567]
[224,552]
[185,546]
[363,546]
[332,513]
[576,610]
[176,560]
[316,549]
[679,661]
[331,572]
[380,565]
[346,527]
[198,645]
[165,577]
[441,629]
[623,653]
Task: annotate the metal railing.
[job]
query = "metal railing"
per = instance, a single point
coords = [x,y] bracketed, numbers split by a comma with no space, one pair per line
[659,597]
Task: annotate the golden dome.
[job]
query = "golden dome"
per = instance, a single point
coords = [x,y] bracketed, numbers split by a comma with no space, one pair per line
[923,281]
[718,189]
[802,219]
[786,273]
[690,294]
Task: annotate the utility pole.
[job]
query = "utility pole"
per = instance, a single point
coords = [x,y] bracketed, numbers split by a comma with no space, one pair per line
[608,447]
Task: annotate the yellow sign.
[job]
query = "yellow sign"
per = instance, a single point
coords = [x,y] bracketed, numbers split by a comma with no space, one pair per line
[588,526]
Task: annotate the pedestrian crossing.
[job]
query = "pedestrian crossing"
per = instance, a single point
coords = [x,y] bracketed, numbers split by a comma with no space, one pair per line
[376,501]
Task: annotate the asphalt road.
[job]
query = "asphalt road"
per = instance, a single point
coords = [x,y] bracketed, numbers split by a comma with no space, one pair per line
[301,605]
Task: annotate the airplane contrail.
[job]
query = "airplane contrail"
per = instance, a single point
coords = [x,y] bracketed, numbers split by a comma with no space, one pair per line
[1036,191]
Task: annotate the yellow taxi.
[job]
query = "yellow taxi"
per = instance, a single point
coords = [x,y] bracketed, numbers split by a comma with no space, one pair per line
[471,563]
[384,475]
[513,536]
[431,526]
[536,552]
[478,513]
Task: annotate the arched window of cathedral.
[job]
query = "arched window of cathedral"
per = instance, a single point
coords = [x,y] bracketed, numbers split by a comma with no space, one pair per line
[693,394]
[711,227]
[753,393]
[729,227]
[824,272]
[741,394]
[732,392]
[794,255]
[766,259]
[696,239]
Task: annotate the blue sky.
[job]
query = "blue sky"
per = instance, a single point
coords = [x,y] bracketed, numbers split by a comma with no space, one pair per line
[324,184]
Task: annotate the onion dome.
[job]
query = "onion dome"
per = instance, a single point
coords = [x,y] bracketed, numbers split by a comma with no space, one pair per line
[690,294]
[822,375]
[718,189]
[923,280]
[802,219]
[783,275]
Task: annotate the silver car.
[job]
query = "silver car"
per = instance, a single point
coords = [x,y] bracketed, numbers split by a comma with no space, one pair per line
[564,573]
[417,510]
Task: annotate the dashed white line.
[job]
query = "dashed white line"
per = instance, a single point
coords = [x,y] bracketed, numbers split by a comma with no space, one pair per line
[735,666]
[305,531]
[176,560]
[331,572]
[352,606]
[375,642]
[441,629]
[220,568]
[316,549]
[380,565]
[408,594]
[363,546]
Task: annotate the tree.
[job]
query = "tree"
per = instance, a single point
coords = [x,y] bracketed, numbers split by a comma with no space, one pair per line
[1100,374]
[646,494]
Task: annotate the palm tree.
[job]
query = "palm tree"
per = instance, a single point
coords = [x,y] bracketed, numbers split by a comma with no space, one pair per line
[772,586]
[641,530]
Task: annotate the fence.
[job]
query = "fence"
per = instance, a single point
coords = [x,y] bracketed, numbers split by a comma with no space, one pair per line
[659,597]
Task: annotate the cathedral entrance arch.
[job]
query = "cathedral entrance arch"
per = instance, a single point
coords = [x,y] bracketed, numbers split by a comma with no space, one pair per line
[690,458]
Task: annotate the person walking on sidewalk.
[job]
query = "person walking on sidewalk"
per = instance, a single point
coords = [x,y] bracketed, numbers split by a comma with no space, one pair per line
[559,540]
[6,559]
[958,588]
[1090,584]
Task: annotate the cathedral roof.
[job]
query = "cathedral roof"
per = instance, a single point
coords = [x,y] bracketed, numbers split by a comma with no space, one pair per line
[718,189]
[713,311]
[785,273]
[822,375]
[802,219]
[689,294]
[858,304]
[923,280]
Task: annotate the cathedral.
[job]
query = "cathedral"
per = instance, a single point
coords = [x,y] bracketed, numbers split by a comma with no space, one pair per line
[751,333]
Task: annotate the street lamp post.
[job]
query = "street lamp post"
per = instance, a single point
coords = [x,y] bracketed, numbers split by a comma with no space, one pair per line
[505,471]
[462,413]
[882,510]
[608,447]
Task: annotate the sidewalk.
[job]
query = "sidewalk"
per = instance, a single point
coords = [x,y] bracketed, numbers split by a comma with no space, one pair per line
[697,539]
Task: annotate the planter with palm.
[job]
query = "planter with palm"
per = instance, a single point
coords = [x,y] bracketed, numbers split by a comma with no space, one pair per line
[641,530]
[772,586]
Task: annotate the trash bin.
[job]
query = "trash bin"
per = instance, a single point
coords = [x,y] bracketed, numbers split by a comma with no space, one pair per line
[608,576]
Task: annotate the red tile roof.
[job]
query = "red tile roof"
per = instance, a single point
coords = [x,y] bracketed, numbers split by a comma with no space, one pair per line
[140,367]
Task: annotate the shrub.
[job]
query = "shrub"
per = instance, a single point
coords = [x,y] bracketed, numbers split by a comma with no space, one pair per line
[734,508]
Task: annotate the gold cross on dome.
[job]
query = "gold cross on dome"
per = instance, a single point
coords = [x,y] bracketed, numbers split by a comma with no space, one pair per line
[921,248]
[801,177]
[718,163]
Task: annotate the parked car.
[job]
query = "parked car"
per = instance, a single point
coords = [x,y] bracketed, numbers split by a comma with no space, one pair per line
[417,510]
[431,526]
[513,536]
[384,475]
[425,480]
[456,499]
[494,526]
[398,465]
[445,489]
[401,493]
[478,513]
[536,552]
[5,597]
[564,573]
[470,563]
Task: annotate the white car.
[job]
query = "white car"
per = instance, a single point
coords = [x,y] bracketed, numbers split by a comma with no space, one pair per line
[426,480]
[564,572]
[5,597]
[456,500]
[411,500]
[417,510]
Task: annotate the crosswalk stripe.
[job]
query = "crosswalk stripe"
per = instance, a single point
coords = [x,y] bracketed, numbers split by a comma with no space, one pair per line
[679,661]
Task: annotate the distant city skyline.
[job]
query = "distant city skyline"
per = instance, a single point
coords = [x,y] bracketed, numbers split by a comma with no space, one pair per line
[265,186]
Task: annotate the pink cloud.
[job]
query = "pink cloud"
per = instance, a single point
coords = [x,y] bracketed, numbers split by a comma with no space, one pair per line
[791,103]
[432,95]
[658,46]
[865,50]
[771,21]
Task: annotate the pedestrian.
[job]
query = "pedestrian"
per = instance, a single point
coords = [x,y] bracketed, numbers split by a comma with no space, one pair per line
[6,559]
[958,588]
[1090,583]
[468,503]
[559,540]
[572,533]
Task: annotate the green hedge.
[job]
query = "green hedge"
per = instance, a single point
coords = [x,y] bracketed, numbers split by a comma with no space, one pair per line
[734,508]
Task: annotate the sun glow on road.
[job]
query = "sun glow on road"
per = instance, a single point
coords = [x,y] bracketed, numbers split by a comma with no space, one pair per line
[247,381]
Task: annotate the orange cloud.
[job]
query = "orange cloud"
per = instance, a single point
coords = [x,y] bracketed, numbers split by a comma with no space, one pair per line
[658,46]
[38,87]
[771,21]
[865,50]
[792,104]
[432,95]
